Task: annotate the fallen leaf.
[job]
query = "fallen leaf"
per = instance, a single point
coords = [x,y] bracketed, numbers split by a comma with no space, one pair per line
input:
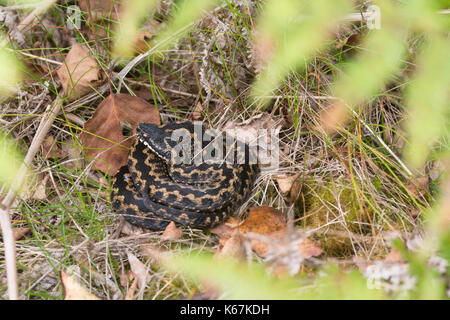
[144,93]
[309,249]
[19,233]
[285,182]
[296,188]
[124,277]
[80,73]
[171,232]
[232,247]
[140,271]
[226,229]
[290,186]
[72,290]
[131,291]
[50,150]
[264,221]
[288,252]
[102,137]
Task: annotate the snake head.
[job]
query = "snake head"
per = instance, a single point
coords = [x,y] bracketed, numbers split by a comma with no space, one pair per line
[163,139]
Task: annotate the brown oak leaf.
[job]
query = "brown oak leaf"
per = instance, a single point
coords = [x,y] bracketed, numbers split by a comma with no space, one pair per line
[171,232]
[102,137]
[79,73]
[264,221]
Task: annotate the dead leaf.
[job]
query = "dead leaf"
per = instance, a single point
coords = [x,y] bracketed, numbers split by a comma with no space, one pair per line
[285,182]
[144,93]
[124,277]
[171,233]
[139,270]
[351,43]
[232,247]
[290,186]
[265,221]
[50,150]
[227,228]
[102,137]
[72,290]
[309,249]
[80,73]
[19,233]
[131,291]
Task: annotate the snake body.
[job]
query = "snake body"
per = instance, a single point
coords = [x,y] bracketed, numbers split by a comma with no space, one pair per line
[152,189]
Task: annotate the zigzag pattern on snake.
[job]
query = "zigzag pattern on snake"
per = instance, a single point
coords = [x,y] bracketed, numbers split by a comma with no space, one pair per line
[152,190]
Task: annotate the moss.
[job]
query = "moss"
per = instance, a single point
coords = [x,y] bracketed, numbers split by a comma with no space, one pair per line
[332,207]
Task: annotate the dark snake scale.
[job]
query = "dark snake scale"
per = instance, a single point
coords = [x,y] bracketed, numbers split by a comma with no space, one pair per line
[152,190]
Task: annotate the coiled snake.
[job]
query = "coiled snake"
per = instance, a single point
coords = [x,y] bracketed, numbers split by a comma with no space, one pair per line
[154,188]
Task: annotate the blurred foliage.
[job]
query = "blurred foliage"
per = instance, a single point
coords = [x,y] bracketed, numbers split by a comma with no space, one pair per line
[298,29]
[238,280]
[9,71]
[186,12]
[10,161]
[293,31]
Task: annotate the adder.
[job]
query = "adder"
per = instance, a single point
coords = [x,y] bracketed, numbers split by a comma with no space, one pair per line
[168,179]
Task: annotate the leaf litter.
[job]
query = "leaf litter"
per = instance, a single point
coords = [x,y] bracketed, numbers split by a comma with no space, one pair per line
[102,137]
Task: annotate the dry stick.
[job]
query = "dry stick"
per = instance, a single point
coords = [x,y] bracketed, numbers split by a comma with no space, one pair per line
[8,239]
